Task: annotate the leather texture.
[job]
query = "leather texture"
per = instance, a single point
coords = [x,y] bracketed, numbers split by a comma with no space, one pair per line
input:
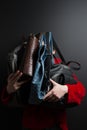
[30,56]
[62,74]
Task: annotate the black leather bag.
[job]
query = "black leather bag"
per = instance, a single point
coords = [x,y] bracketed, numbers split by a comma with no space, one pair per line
[62,74]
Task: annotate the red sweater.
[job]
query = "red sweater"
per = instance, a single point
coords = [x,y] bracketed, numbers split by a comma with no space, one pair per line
[42,117]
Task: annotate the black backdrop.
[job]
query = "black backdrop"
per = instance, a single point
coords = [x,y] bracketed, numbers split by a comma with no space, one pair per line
[67,20]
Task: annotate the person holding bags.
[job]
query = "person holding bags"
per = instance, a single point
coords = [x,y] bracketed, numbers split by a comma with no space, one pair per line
[41,117]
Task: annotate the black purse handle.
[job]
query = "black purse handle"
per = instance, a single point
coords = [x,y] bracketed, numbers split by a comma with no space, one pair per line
[75,63]
[58,51]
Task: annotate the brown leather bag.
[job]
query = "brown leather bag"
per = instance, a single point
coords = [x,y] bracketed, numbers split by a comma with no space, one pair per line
[30,56]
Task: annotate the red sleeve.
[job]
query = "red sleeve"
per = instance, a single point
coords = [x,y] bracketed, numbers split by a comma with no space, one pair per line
[5,97]
[76,93]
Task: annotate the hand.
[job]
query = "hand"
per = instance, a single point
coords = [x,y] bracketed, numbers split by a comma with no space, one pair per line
[57,92]
[12,82]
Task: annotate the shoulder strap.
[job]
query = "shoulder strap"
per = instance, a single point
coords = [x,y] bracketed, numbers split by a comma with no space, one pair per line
[58,51]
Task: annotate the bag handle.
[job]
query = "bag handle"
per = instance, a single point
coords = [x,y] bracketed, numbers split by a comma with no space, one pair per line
[69,63]
[58,51]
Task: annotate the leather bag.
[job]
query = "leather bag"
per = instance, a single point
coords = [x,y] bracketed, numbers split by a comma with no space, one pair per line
[30,56]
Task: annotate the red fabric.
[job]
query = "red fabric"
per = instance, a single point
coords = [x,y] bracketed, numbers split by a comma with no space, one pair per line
[38,117]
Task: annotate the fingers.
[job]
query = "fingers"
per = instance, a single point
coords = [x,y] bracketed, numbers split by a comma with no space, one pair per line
[22,82]
[50,97]
[19,84]
[10,76]
[53,82]
[14,77]
[16,87]
[17,77]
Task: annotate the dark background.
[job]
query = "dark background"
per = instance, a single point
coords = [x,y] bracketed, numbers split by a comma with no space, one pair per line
[67,20]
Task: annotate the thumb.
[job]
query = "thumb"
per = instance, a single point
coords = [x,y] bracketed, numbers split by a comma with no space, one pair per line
[53,82]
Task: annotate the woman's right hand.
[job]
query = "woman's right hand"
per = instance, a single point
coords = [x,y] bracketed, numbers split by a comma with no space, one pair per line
[12,82]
